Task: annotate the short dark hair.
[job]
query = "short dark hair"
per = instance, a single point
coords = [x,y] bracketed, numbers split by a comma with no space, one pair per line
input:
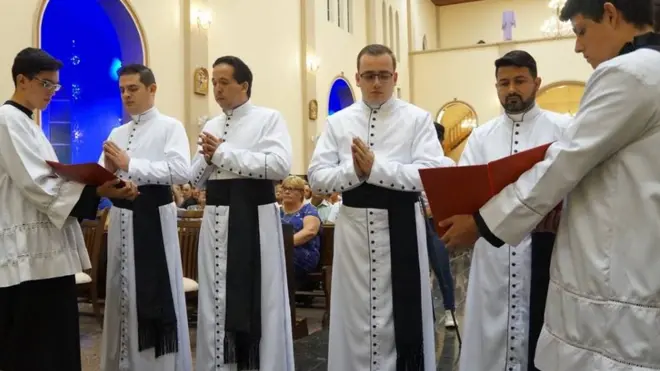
[29,62]
[146,74]
[440,131]
[636,12]
[376,50]
[242,72]
[517,58]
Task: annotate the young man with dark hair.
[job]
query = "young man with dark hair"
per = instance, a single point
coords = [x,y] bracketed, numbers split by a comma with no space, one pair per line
[508,285]
[146,325]
[381,316]
[602,305]
[244,318]
[41,243]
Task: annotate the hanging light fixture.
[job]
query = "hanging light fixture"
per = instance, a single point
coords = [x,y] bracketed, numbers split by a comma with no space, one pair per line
[553,27]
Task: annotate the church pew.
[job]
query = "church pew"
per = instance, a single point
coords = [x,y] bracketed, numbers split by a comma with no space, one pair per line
[323,273]
[300,328]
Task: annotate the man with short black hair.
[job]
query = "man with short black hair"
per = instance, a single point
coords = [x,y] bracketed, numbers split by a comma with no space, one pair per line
[508,285]
[381,316]
[602,305]
[146,324]
[41,244]
[244,318]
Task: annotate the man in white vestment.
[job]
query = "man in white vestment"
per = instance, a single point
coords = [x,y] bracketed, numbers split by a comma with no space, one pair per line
[508,284]
[603,301]
[146,325]
[381,316]
[41,244]
[244,318]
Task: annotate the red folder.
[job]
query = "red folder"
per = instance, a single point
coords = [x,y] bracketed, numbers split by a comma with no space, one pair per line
[465,189]
[91,173]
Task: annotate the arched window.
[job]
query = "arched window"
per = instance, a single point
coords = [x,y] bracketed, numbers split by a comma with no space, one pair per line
[339,14]
[398,36]
[349,15]
[384,24]
[329,10]
[424,43]
[391,29]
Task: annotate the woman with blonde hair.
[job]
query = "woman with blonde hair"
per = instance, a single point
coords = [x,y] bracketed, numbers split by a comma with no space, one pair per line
[306,227]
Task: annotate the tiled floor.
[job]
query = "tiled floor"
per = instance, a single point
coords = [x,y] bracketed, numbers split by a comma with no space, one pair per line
[310,352]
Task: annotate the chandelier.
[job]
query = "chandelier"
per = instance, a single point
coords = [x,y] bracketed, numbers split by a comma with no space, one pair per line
[552,26]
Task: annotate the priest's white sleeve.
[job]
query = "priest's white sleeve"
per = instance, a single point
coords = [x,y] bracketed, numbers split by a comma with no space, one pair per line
[327,173]
[471,151]
[174,169]
[616,109]
[34,178]
[426,153]
[272,161]
[200,169]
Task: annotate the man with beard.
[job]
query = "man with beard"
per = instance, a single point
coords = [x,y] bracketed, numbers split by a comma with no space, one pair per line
[508,285]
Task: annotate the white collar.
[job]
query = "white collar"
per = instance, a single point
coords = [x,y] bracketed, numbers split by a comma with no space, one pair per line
[239,110]
[530,114]
[145,116]
[385,106]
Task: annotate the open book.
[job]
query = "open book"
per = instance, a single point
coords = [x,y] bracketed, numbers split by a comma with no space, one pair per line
[465,189]
[91,173]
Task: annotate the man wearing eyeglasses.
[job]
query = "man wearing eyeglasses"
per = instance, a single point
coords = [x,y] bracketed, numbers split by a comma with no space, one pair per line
[41,244]
[381,316]
[509,284]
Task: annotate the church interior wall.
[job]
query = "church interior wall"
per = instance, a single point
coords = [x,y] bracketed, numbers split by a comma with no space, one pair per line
[482,20]
[18,27]
[468,74]
[160,20]
[336,47]
[266,34]
[428,78]
[424,25]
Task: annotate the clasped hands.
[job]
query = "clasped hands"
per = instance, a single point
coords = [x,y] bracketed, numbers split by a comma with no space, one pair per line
[116,159]
[209,144]
[363,158]
[462,230]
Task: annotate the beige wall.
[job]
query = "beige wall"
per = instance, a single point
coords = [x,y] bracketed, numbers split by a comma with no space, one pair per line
[337,48]
[482,20]
[423,23]
[297,28]
[273,56]
[469,74]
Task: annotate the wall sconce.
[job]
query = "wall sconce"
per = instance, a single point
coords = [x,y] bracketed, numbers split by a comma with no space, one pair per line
[202,18]
[313,63]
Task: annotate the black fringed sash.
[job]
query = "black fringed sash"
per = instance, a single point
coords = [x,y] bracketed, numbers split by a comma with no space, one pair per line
[157,322]
[404,260]
[542,245]
[243,311]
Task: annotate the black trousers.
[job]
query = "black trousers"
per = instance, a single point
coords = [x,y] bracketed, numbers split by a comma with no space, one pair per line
[39,328]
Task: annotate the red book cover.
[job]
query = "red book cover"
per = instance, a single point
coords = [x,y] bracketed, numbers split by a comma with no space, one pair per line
[465,189]
[91,173]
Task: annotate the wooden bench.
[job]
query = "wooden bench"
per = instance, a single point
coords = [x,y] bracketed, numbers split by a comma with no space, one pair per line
[300,328]
[323,273]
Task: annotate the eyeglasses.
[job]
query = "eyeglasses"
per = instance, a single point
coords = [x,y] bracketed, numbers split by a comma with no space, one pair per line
[289,189]
[49,85]
[381,76]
